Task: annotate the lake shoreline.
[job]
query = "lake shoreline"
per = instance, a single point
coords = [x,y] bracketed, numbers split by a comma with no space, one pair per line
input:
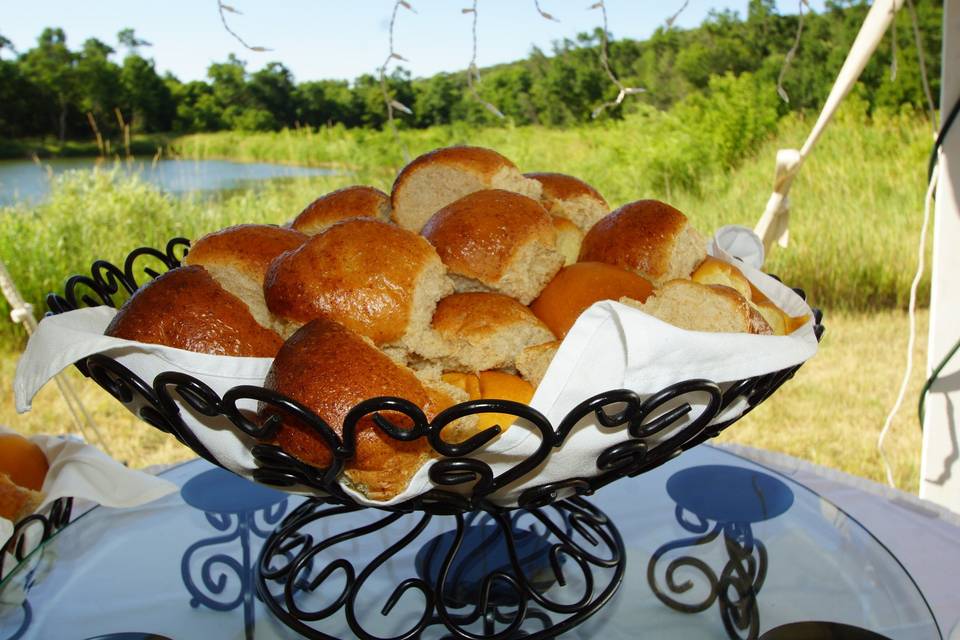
[29,182]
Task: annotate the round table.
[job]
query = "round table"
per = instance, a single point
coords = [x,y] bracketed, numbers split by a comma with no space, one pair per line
[182,566]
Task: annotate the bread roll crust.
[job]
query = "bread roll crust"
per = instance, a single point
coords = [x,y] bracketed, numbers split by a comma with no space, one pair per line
[442,176]
[357,201]
[249,248]
[571,198]
[16,502]
[715,271]
[187,309]
[578,286]
[698,307]
[648,237]
[482,236]
[331,369]
[359,272]
[486,330]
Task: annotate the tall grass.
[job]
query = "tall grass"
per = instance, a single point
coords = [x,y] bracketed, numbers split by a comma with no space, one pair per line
[855,205]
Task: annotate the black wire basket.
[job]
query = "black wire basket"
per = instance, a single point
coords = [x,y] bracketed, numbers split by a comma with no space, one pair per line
[656,429]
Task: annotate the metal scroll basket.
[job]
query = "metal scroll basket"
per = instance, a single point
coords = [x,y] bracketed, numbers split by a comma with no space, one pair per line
[531,571]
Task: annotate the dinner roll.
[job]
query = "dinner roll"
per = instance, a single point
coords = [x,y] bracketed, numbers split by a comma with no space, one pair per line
[330,369]
[569,239]
[485,330]
[187,309]
[350,202]
[715,271]
[648,237]
[698,307]
[532,362]
[23,460]
[578,286]
[435,179]
[496,240]
[571,198]
[17,502]
[377,279]
[237,258]
[779,320]
[492,385]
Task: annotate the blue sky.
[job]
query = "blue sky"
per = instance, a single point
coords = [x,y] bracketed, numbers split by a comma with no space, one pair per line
[319,39]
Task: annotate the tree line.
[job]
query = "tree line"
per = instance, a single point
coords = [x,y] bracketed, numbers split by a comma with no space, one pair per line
[52,90]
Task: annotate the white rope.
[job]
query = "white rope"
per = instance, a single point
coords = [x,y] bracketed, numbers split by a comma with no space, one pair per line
[921,250]
[390,102]
[772,226]
[624,90]
[473,72]
[224,9]
[22,312]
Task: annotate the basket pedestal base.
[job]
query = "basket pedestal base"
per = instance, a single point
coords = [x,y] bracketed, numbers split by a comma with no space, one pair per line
[334,571]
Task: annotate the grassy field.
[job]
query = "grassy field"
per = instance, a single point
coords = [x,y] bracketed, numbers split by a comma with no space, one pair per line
[855,220]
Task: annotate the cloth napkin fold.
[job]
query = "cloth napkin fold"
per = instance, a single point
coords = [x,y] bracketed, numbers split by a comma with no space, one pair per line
[611,346]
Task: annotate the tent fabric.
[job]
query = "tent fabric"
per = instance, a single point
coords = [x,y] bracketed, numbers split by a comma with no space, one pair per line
[922,535]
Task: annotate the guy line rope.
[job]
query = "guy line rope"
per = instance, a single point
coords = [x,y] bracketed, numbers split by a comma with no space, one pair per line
[22,312]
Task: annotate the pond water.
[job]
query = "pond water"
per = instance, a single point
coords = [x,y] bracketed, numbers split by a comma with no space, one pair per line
[24,180]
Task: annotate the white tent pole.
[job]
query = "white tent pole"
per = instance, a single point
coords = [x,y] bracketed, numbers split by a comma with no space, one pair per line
[772,226]
[22,312]
[940,458]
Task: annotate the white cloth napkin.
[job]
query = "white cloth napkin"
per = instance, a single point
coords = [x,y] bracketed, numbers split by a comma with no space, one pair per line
[611,346]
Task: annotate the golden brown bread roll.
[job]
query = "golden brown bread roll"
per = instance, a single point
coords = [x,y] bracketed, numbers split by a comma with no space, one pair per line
[779,320]
[533,362]
[492,385]
[698,307]
[187,309]
[357,201]
[238,257]
[435,179]
[571,198]
[23,460]
[485,330]
[330,369]
[715,271]
[648,237]
[377,279]
[578,286]
[569,239]
[17,502]
[496,240]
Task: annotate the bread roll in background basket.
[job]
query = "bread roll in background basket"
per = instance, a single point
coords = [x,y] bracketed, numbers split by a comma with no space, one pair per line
[623,393]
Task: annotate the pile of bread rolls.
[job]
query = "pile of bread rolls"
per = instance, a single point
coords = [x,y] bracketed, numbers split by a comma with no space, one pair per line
[458,285]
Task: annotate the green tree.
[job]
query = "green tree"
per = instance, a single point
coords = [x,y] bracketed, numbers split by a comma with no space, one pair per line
[52,66]
[148,100]
[273,91]
[101,89]
[128,38]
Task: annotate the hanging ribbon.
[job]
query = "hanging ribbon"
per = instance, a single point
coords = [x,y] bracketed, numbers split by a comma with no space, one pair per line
[773,224]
